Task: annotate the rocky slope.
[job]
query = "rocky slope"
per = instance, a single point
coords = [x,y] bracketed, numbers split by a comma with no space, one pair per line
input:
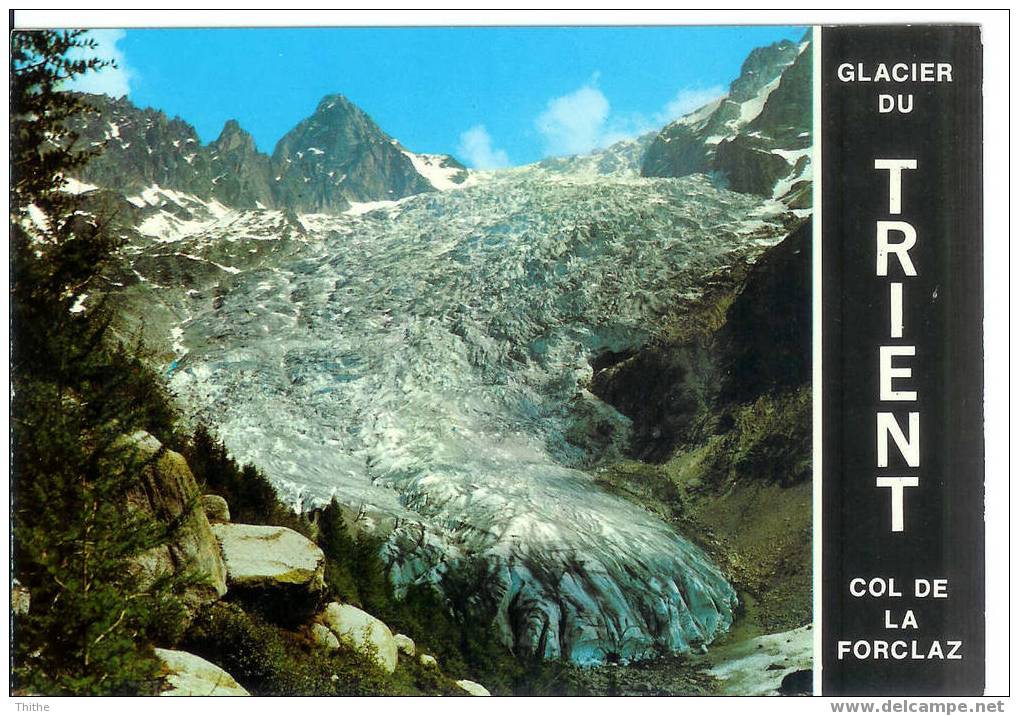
[427,356]
[756,138]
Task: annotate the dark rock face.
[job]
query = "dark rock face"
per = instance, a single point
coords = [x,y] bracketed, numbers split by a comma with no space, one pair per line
[747,167]
[335,156]
[673,389]
[786,116]
[243,173]
[677,151]
[141,147]
[766,339]
[753,138]
[339,155]
[167,492]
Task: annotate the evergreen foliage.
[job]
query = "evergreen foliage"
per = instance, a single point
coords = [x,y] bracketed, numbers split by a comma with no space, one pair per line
[75,398]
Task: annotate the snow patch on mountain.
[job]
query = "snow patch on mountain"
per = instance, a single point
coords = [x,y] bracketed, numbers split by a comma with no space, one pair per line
[435,168]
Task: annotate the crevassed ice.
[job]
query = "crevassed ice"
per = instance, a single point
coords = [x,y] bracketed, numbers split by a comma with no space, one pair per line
[425,363]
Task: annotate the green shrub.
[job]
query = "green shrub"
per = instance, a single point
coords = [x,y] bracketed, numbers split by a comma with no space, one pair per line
[270,661]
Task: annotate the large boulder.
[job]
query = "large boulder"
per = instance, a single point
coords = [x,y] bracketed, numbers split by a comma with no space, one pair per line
[362,631]
[167,491]
[275,570]
[190,675]
[264,556]
[473,687]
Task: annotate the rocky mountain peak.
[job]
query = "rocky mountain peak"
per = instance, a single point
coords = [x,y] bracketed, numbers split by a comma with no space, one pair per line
[757,138]
[762,66]
[338,155]
[335,156]
[234,138]
[336,103]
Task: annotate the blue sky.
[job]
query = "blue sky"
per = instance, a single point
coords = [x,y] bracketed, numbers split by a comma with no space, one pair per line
[490,96]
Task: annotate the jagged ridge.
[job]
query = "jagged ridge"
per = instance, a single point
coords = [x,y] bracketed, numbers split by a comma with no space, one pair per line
[336,156]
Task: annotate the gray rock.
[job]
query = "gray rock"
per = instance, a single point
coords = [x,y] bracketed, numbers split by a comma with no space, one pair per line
[405,644]
[216,508]
[428,660]
[338,155]
[324,637]
[167,492]
[190,675]
[264,557]
[753,138]
[473,688]
[362,631]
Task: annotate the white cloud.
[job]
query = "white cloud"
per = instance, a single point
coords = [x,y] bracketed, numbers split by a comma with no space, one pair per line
[574,123]
[114,81]
[687,100]
[476,149]
[583,120]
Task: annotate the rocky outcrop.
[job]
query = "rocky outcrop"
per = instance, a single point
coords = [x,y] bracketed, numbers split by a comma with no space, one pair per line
[748,167]
[275,570]
[190,675]
[242,175]
[216,508]
[473,687]
[141,147]
[428,660]
[338,155]
[335,156]
[765,343]
[752,337]
[167,492]
[362,631]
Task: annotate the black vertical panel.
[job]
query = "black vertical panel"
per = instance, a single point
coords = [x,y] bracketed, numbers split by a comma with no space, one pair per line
[944,528]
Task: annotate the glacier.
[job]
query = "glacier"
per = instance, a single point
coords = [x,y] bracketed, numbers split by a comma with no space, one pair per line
[425,361]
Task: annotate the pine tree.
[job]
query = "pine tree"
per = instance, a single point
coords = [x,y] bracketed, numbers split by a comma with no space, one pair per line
[75,398]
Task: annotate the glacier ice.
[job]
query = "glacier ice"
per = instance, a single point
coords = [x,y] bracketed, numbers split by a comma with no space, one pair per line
[423,362]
